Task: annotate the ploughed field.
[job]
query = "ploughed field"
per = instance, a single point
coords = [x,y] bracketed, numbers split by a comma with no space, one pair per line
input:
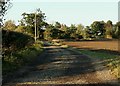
[102,45]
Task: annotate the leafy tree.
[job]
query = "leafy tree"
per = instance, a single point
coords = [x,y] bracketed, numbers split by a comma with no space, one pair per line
[116,30]
[75,32]
[87,33]
[57,25]
[41,35]
[66,31]
[21,29]
[56,33]
[72,30]
[79,31]
[97,28]
[10,25]
[52,32]
[108,28]
[28,20]
[80,28]
[48,33]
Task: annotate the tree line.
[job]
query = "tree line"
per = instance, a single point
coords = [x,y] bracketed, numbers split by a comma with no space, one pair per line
[97,30]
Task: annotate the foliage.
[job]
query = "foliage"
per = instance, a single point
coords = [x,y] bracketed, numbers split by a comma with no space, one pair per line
[47,33]
[20,57]
[57,25]
[30,19]
[80,29]
[21,29]
[118,29]
[53,32]
[108,28]
[13,41]
[66,30]
[87,33]
[56,33]
[4,6]
[9,25]
[72,30]
[116,33]
[18,49]
[97,28]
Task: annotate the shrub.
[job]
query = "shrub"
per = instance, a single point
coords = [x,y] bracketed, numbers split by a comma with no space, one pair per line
[12,41]
[19,58]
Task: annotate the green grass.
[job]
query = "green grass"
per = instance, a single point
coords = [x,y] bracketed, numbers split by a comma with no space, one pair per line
[99,54]
[113,61]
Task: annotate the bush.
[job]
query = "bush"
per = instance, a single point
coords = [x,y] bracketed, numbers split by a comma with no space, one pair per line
[19,58]
[18,50]
[12,41]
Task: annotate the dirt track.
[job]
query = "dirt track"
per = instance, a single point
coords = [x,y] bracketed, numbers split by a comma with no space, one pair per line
[64,66]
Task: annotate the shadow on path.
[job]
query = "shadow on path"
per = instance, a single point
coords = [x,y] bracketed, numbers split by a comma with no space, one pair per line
[63,66]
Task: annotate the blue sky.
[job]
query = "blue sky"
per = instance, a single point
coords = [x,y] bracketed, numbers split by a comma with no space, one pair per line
[67,12]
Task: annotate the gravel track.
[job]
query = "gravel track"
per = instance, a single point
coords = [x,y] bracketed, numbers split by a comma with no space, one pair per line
[61,66]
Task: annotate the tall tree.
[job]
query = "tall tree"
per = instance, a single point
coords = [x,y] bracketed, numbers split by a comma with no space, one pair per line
[98,28]
[65,31]
[116,30]
[72,29]
[52,32]
[87,33]
[29,21]
[48,32]
[80,29]
[108,28]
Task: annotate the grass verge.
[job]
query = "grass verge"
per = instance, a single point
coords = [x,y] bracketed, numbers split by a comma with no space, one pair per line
[112,60]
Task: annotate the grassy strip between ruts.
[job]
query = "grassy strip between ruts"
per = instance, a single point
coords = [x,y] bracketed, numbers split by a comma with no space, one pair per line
[20,58]
[112,60]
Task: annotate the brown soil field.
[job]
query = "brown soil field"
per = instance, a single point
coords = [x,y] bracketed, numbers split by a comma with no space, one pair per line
[112,45]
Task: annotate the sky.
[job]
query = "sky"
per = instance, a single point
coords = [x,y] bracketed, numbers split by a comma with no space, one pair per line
[67,12]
